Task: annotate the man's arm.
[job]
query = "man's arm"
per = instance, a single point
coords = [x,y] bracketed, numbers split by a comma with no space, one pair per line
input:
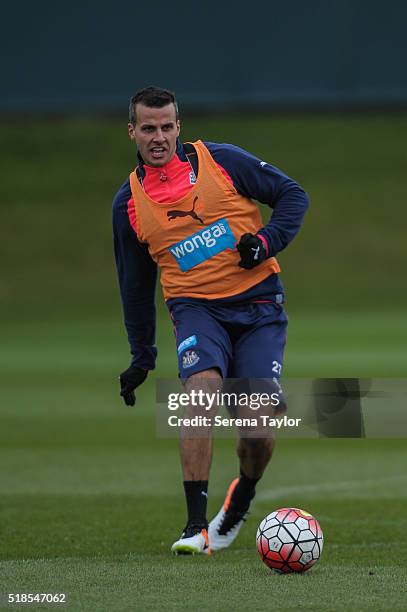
[137,275]
[261,181]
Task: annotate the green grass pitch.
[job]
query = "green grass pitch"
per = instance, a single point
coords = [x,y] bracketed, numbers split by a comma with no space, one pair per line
[90,499]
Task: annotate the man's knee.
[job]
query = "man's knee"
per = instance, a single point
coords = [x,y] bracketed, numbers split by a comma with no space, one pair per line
[255,446]
[203,388]
[207,381]
[201,377]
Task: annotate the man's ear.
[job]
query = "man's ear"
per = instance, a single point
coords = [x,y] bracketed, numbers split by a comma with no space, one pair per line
[131,131]
[178,126]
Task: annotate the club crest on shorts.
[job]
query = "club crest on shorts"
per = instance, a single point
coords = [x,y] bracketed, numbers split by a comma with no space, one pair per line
[189,359]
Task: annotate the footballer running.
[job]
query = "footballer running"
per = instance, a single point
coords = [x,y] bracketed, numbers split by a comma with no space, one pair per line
[189,210]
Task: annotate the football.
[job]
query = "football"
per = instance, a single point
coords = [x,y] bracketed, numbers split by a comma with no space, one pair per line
[289,540]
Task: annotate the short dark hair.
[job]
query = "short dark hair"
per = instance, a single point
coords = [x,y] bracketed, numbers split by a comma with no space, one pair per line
[153,97]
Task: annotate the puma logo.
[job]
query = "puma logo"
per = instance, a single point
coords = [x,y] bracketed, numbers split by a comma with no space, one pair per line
[173,214]
[256,252]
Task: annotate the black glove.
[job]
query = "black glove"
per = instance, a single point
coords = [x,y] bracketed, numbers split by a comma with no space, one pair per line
[130,379]
[252,251]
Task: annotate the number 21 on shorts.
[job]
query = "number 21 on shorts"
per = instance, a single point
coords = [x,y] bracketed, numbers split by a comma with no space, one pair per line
[276,367]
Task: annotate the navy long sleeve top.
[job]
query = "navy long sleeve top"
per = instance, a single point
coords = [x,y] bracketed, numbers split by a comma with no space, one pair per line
[137,272]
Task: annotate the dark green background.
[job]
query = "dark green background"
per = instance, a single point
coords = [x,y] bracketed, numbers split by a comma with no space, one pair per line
[87,56]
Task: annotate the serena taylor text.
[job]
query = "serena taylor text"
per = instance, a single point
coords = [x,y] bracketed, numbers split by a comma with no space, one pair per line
[220,421]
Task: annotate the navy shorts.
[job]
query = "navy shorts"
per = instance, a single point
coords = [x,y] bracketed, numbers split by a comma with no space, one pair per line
[241,340]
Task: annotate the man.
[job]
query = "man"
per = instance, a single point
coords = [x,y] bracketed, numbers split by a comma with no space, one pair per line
[188,208]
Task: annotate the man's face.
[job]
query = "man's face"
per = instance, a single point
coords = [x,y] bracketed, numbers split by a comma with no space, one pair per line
[155,133]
